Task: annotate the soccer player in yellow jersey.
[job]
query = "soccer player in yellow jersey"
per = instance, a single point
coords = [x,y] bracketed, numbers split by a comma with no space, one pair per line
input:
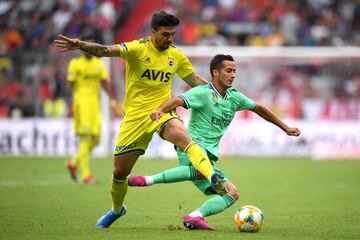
[151,64]
[86,75]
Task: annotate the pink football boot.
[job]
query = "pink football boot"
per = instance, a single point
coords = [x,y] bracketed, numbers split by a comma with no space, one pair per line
[137,181]
[196,223]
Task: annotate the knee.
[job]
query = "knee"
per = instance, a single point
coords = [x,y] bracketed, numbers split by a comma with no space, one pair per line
[120,173]
[180,138]
[177,135]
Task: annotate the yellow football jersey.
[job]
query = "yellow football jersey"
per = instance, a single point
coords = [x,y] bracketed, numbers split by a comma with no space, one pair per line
[86,74]
[149,75]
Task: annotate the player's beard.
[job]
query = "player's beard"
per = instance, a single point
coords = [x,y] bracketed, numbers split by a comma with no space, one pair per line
[164,46]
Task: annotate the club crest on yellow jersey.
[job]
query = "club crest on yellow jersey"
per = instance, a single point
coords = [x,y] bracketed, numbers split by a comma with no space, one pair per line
[171,61]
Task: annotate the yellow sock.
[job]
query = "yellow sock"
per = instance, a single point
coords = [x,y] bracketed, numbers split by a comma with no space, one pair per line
[118,193]
[199,159]
[83,156]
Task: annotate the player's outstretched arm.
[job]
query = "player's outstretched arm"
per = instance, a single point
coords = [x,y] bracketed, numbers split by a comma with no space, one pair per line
[195,80]
[68,44]
[167,106]
[269,116]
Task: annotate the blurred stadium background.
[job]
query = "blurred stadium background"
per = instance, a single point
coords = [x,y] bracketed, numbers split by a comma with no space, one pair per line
[301,58]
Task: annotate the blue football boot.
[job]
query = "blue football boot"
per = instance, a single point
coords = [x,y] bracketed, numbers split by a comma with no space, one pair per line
[110,217]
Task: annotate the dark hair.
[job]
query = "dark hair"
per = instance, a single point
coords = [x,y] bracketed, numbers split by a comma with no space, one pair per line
[163,19]
[87,34]
[217,61]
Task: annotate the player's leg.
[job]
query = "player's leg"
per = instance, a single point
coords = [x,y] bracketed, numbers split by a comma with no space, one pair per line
[172,175]
[184,172]
[123,165]
[133,139]
[94,142]
[218,204]
[174,132]
[72,164]
[195,220]
[87,125]
[87,177]
[83,157]
[91,124]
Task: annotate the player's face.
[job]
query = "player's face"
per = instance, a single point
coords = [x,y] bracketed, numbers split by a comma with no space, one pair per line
[226,74]
[163,37]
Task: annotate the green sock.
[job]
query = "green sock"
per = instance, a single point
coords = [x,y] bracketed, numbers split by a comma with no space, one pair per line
[176,174]
[216,204]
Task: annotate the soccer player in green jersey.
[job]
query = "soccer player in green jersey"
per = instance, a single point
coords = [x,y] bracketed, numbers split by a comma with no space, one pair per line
[151,64]
[213,106]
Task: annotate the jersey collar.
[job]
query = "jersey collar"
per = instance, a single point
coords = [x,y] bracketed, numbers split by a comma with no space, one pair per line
[82,56]
[154,48]
[214,88]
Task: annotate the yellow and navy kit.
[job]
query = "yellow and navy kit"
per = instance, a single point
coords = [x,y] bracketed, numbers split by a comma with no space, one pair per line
[86,75]
[149,76]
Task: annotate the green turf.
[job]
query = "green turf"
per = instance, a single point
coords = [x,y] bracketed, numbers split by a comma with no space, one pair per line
[300,198]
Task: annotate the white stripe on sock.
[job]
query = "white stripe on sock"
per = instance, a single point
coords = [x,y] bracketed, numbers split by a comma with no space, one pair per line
[149,180]
[196,213]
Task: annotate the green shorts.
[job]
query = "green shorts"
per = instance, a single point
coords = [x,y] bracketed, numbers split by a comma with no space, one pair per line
[202,184]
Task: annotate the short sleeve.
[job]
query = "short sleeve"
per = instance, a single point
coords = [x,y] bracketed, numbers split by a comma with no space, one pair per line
[243,102]
[128,50]
[194,98]
[185,67]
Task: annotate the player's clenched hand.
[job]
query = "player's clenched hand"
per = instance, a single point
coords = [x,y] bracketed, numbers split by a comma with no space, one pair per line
[156,115]
[293,131]
[67,44]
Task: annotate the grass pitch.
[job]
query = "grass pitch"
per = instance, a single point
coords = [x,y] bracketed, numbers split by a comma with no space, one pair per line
[300,199]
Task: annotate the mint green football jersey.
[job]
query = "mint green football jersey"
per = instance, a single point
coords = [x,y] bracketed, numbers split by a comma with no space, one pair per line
[211,114]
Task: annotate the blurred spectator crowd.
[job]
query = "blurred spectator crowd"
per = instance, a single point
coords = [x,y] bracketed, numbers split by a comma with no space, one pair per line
[33,76]
[268,22]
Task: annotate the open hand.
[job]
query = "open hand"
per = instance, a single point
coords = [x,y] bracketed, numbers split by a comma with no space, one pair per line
[67,44]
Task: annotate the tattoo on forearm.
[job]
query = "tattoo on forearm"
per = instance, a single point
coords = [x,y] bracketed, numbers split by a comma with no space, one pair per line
[94,49]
